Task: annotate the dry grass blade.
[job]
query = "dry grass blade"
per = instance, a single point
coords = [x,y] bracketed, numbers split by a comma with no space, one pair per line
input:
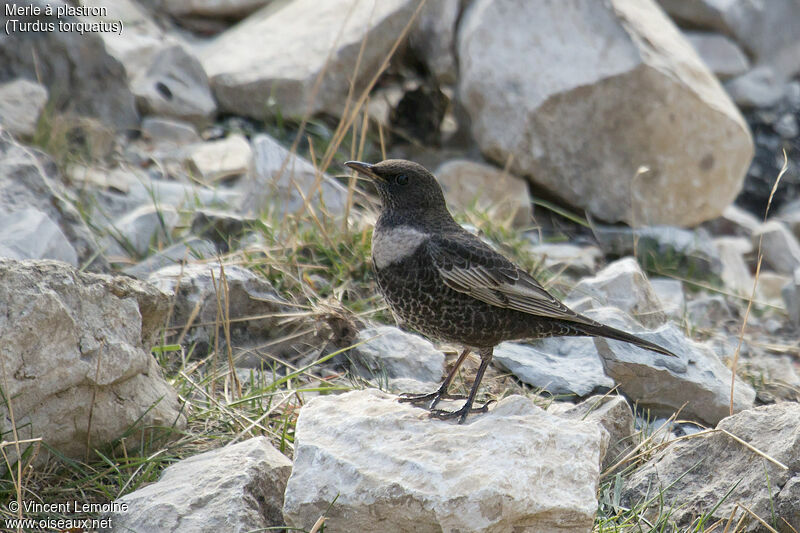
[317,525]
[755,281]
[754,515]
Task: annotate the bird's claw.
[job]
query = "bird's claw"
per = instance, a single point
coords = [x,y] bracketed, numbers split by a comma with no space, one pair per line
[462,413]
[431,399]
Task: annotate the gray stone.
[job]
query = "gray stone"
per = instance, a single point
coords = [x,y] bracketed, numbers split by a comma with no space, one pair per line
[31,234]
[146,227]
[190,249]
[433,38]
[770,285]
[708,312]
[74,66]
[733,221]
[236,488]
[276,175]
[220,227]
[616,417]
[554,367]
[214,161]
[735,273]
[270,62]
[173,132]
[568,258]
[397,354]
[689,253]
[29,179]
[768,31]
[670,294]
[196,289]
[21,103]
[469,184]
[212,8]
[696,382]
[781,250]
[791,298]
[163,192]
[623,285]
[759,87]
[722,56]
[578,131]
[423,475]
[175,85]
[697,474]
[787,127]
[88,367]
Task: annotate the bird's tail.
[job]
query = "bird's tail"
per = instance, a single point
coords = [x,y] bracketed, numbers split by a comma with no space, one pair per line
[600,330]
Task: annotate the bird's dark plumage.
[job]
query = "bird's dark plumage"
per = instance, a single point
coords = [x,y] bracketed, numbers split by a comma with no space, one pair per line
[448,284]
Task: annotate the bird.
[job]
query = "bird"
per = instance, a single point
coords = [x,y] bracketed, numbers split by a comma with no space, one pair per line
[446,283]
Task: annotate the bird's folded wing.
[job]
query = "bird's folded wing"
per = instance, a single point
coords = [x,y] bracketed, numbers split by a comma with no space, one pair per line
[471,267]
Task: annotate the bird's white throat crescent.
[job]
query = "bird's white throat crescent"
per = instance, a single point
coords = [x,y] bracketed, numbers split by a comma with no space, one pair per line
[392,245]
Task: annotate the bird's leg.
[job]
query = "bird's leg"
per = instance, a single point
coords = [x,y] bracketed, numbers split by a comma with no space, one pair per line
[486,358]
[434,397]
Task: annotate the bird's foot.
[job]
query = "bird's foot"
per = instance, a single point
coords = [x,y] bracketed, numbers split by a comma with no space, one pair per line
[430,399]
[462,413]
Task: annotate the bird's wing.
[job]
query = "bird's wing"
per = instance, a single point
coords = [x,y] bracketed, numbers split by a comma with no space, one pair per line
[468,265]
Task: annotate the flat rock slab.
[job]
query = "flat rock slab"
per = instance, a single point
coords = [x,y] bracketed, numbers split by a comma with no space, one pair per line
[237,488]
[391,468]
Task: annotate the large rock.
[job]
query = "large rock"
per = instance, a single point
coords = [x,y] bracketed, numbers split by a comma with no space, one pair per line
[21,103]
[75,66]
[237,488]
[623,89]
[711,473]
[28,181]
[278,53]
[516,468]
[276,175]
[469,184]
[76,353]
[695,382]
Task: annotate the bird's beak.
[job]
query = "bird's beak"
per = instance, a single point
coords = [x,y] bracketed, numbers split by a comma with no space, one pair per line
[365,169]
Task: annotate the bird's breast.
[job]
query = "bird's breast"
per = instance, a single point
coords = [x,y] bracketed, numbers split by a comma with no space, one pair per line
[394,244]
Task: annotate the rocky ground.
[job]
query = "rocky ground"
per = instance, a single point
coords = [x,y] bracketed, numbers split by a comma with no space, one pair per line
[191,337]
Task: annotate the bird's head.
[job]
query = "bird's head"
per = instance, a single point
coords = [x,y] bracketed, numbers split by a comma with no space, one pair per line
[403,185]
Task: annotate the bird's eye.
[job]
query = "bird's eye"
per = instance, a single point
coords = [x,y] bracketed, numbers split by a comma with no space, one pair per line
[401,179]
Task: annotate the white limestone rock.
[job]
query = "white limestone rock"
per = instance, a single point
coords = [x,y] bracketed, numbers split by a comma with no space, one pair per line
[391,468]
[237,488]
[271,60]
